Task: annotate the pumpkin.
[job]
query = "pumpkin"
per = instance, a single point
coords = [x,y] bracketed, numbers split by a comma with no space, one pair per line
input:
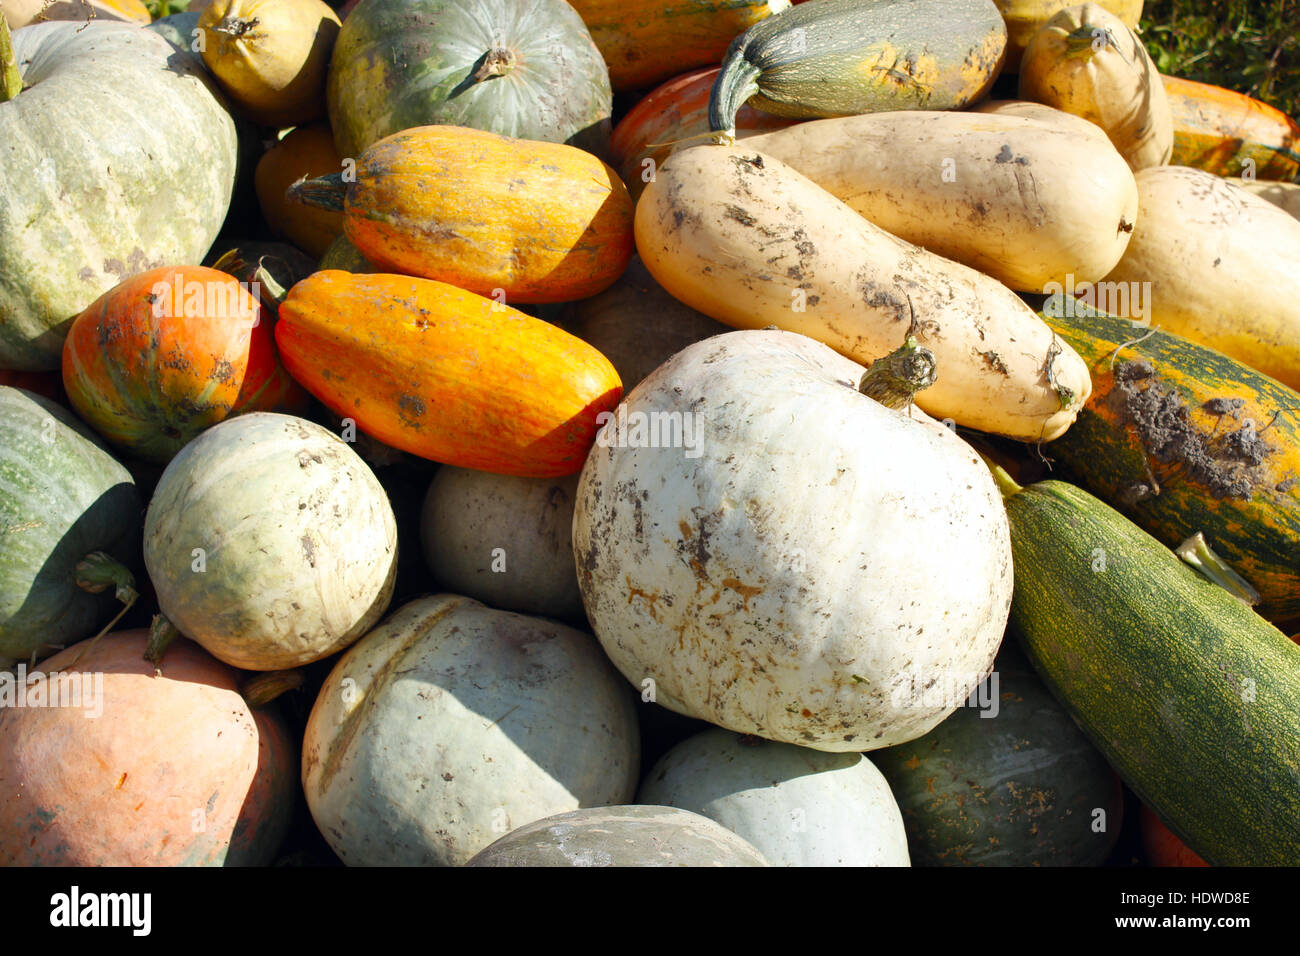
[1160,846]
[1024,18]
[502,540]
[306,152]
[648,42]
[1225,132]
[843,57]
[270,56]
[1285,196]
[1007,780]
[560,227]
[521,68]
[717,583]
[1049,204]
[621,836]
[168,353]
[750,241]
[676,113]
[109,124]
[444,374]
[1087,61]
[65,500]
[172,769]
[637,325]
[270,543]
[22,13]
[451,724]
[796,806]
[1218,266]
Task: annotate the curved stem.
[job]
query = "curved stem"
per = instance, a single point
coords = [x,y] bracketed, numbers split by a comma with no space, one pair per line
[99,571]
[1197,552]
[894,380]
[737,82]
[161,634]
[272,292]
[11,81]
[325,192]
[260,689]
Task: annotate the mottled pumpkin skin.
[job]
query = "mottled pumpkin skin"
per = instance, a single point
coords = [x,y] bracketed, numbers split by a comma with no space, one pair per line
[672,115]
[175,770]
[1170,409]
[533,222]
[621,836]
[648,41]
[1217,130]
[168,353]
[445,374]
[404,63]
[306,152]
[102,177]
[63,497]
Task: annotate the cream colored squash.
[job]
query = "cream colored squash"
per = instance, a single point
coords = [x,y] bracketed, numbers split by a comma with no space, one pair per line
[1285,196]
[1025,17]
[762,546]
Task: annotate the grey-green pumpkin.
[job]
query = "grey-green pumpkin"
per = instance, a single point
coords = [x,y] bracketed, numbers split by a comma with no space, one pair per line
[62,498]
[118,157]
[621,836]
[522,68]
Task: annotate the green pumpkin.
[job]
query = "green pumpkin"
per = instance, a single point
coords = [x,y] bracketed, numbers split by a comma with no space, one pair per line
[1011,782]
[64,497]
[522,68]
[118,157]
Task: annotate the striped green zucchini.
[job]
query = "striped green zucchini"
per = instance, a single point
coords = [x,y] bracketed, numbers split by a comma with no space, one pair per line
[1190,695]
[843,57]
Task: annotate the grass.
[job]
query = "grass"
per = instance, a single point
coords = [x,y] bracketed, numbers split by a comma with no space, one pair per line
[1251,46]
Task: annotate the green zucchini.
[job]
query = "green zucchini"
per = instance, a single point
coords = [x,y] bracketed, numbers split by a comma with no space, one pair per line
[1182,439]
[844,57]
[1190,695]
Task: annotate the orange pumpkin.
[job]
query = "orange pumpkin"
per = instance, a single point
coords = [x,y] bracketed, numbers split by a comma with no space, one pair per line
[506,218]
[1161,847]
[1217,130]
[169,352]
[674,114]
[306,152]
[445,374]
[140,769]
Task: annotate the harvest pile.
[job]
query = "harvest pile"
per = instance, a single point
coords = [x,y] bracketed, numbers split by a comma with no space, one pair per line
[519,432]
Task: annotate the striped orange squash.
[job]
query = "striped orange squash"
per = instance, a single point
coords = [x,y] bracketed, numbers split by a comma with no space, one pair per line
[446,374]
[1217,130]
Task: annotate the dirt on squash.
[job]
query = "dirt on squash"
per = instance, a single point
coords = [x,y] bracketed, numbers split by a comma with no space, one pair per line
[1227,461]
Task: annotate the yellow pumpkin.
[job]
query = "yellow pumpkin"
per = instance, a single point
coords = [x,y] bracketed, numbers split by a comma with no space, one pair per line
[270,56]
[305,153]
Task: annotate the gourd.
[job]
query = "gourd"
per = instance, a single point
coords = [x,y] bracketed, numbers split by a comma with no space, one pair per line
[168,353]
[101,138]
[69,528]
[1285,196]
[139,768]
[1225,132]
[270,543]
[621,836]
[270,56]
[447,375]
[306,152]
[708,570]
[1087,61]
[796,806]
[747,240]
[452,723]
[843,57]
[1025,17]
[522,68]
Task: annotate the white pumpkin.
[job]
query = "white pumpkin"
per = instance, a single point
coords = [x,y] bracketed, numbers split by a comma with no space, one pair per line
[503,540]
[798,807]
[807,565]
[451,724]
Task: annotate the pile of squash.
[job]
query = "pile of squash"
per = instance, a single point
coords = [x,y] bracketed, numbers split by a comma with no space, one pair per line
[532,433]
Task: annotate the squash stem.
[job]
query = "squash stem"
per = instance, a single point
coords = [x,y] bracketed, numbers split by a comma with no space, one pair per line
[98,572]
[1006,484]
[894,380]
[1197,552]
[737,82]
[496,62]
[325,192]
[11,81]
[161,634]
[260,689]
